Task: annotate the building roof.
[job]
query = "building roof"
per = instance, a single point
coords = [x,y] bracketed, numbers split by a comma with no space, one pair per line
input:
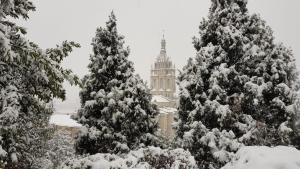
[167,110]
[63,120]
[160,99]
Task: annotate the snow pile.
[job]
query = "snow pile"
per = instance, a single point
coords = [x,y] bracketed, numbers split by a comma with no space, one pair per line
[144,158]
[255,157]
[63,120]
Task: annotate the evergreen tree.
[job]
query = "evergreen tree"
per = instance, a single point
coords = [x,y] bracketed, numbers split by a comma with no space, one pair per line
[59,148]
[116,111]
[240,89]
[29,79]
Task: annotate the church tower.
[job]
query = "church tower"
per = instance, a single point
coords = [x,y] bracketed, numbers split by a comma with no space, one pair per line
[163,75]
[163,88]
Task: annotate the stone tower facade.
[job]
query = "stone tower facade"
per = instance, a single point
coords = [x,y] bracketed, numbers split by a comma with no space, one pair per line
[162,80]
[163,89]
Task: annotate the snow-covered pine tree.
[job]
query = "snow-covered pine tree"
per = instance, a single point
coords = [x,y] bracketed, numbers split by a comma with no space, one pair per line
[241,88]
[116,111]
[296,122]
[29,79]
[189,85]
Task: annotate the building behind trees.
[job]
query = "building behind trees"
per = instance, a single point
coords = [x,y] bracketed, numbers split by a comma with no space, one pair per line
[163,90]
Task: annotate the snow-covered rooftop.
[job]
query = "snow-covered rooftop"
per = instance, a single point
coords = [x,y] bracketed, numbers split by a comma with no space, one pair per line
[160,99]
[167,110]
[63,120]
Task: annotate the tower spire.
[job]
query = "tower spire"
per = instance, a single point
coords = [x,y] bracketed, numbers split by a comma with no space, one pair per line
[163,51]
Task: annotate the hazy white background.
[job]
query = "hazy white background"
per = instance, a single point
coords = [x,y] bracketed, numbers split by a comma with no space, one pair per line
[142,22]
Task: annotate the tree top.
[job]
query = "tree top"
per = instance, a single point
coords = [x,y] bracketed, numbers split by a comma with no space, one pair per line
[222,4]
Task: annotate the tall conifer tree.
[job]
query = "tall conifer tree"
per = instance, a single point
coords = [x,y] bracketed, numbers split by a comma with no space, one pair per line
[29,80]
[116,111]
[240,89]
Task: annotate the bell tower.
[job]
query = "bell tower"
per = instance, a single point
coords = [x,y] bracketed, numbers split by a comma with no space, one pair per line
[162,78]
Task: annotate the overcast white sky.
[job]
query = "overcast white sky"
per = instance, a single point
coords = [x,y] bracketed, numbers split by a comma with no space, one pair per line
[142,22]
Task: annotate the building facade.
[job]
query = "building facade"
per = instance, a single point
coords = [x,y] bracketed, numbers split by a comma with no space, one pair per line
[162,79]
[165,121]
[163,90]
